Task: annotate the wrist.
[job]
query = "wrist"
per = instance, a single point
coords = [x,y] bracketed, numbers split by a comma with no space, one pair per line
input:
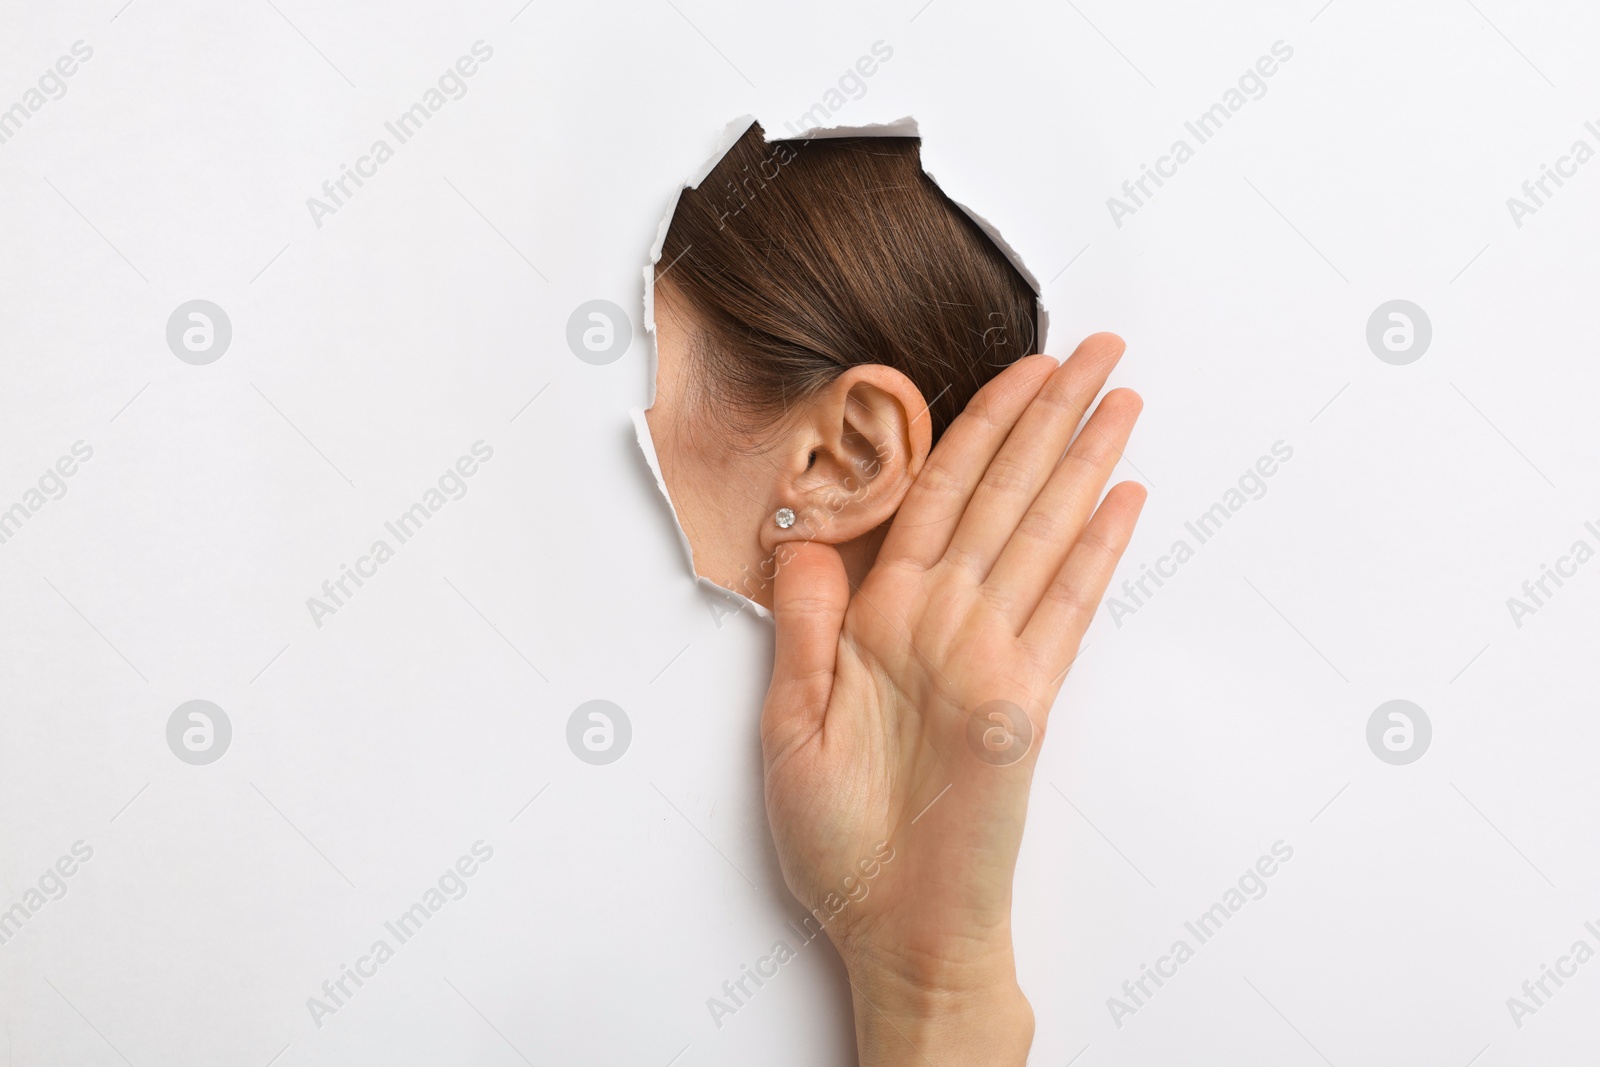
[974,1014]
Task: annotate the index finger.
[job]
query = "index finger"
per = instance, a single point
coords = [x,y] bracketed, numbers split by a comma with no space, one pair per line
[932,509]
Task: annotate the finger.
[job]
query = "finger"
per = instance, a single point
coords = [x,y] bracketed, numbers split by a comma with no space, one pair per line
[810,595]
[932,508]
[1029,454]
[1070,601]
[1052,524]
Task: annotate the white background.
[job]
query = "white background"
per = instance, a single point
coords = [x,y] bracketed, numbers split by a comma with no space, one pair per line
[370,352]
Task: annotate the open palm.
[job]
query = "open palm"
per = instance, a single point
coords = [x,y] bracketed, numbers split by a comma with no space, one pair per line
[904,717]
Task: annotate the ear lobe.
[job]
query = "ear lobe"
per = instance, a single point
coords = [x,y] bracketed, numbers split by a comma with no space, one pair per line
[871,436]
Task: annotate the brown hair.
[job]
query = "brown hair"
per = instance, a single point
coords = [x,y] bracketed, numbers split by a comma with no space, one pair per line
[800,259]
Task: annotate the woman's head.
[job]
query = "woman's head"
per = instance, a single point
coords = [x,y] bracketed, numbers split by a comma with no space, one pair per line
[822,312]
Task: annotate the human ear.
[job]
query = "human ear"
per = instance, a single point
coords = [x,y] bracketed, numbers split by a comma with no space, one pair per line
[848,457]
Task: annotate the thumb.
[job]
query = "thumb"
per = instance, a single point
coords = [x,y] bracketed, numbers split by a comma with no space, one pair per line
[808,604]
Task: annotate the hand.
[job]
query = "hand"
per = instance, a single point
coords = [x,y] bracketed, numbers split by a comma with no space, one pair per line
[897,821]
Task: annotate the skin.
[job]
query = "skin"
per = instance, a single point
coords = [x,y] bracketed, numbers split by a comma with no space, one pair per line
[842,462]
[967,577]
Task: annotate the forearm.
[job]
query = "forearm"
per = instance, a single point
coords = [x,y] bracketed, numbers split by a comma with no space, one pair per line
[982,1019]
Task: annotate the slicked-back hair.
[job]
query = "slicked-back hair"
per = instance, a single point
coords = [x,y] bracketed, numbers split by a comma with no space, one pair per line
[801,259]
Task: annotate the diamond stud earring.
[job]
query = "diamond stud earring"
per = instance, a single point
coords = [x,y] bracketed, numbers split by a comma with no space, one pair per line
[784,518]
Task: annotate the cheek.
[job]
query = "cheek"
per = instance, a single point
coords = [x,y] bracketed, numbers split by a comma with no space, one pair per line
[717,492]
[713,493]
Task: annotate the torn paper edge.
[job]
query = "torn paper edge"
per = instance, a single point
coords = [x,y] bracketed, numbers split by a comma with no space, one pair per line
[905,126]
[641,429]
